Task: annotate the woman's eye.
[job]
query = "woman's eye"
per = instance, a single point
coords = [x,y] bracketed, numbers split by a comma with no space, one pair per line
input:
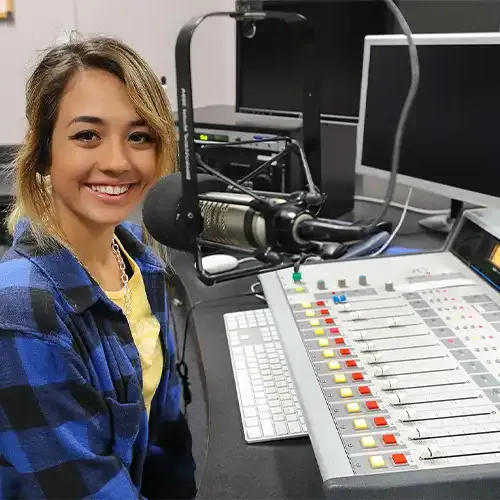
[85,136]
[141,138]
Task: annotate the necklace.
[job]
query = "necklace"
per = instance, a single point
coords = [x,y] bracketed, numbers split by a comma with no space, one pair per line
[123,275]
[115,248]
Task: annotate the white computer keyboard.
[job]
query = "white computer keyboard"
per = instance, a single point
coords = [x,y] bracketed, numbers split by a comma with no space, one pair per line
[268,404]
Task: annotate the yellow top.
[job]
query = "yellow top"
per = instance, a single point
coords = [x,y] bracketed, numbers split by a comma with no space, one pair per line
[145,331]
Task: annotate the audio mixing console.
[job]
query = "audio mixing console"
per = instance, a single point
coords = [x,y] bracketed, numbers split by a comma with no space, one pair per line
[396,363]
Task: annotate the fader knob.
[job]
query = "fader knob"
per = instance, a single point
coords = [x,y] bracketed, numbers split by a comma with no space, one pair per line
[431,451]
[389,286]
[362,280]
[342,283]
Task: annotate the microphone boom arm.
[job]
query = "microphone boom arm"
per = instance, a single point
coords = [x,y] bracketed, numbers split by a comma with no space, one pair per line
[189,211]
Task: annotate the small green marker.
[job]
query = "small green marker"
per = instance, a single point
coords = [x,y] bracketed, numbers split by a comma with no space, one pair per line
[297,276]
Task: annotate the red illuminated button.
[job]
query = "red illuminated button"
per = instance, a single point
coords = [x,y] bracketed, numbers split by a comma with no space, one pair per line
[320,303]
[324,311]
[389,439]
[357,376]
[351,364]
[334,331]
[345,352]
[329,321]
[399,459]
[380,422]
[364,390]
[372,405]
[339,340]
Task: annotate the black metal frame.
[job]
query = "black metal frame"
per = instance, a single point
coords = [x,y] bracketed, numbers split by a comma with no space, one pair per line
[189,211]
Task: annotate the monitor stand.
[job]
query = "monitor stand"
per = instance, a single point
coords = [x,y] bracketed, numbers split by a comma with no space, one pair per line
[443,223]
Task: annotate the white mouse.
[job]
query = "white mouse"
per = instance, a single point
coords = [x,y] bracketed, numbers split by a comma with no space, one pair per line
[218,263]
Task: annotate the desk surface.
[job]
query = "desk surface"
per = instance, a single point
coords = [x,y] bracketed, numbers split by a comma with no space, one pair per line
[233,469]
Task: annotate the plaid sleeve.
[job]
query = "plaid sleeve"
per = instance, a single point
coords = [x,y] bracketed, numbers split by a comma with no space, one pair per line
[55,428]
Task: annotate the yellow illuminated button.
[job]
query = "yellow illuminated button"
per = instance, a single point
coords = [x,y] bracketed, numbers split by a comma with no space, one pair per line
[340,379]
[377,461]
[328,353]
[299,289]
[360,424]
[346,392]
[314,322]
[310,314]
[306,305]
[323,342]
[368,442]
[333,365]
[353,408]
[319,331]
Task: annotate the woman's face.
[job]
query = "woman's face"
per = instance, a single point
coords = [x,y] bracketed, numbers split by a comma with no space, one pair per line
[103,155]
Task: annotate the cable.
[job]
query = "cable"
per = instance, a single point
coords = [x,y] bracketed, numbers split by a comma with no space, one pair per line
[412,91]
[394,204]
[396,229]
[258,294]
[181,366]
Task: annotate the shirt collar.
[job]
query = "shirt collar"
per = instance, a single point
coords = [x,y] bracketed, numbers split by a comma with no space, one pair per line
[62,268]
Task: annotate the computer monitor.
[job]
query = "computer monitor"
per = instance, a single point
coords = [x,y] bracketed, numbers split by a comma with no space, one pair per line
[269,71]
[451,144]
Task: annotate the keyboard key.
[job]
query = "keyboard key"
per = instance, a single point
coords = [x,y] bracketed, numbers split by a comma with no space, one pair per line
[253,433]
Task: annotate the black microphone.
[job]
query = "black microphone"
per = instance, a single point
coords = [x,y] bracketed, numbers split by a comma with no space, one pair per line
[228,218]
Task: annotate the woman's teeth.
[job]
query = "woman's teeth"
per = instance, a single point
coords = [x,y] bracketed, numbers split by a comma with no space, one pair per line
[113,190]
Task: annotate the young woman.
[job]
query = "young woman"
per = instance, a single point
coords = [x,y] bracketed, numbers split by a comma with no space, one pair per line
[89,396]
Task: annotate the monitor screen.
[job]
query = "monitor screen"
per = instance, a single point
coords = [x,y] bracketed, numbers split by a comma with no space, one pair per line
[452,134]
[269,70]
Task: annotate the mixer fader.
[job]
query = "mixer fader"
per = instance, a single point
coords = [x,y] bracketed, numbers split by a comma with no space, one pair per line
[396,362]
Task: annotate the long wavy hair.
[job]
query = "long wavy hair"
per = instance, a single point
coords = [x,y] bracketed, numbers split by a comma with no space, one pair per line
[44,89]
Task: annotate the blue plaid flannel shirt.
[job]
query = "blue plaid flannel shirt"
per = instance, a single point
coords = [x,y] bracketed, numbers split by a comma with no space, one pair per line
[72,418]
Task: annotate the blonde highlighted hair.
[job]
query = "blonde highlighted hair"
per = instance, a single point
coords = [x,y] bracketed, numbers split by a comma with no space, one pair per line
[44,90]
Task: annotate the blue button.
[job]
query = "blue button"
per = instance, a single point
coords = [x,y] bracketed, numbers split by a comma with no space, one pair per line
[336,299]
[343,298]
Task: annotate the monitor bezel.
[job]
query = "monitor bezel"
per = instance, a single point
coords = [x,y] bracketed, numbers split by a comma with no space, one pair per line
[445,190]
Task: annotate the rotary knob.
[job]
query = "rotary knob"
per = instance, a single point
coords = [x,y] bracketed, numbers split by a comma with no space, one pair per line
[389,286]
[342,282]
[363,281]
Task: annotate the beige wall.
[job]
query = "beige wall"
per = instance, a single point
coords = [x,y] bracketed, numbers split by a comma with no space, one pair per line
[151,29]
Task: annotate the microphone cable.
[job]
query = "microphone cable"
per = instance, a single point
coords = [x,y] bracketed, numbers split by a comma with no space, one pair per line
[181,365]
[410,98]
